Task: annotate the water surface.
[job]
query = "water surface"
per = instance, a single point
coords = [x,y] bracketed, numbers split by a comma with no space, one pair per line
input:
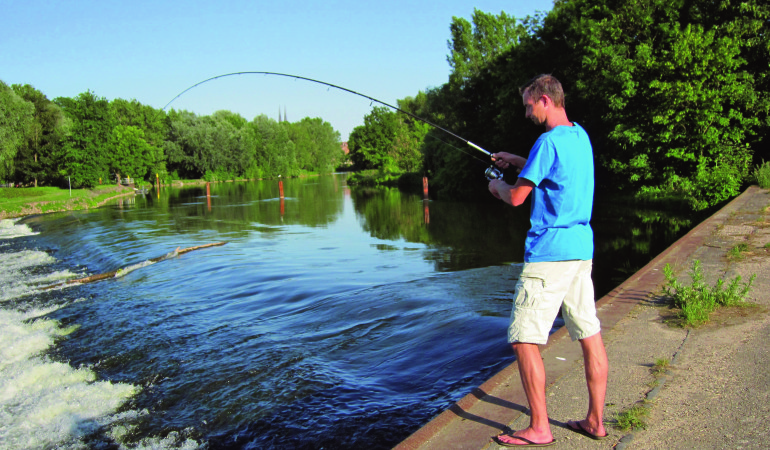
[331,318]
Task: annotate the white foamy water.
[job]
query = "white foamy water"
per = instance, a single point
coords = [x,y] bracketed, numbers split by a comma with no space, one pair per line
[9,229]
[15,279]
[43,403]
[46,403]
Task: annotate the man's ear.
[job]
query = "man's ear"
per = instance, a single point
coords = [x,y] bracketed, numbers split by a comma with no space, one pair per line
[546,100]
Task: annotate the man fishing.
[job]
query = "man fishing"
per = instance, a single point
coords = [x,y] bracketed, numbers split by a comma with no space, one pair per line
[557,260]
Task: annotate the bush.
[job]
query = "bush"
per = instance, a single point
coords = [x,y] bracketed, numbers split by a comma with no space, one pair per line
[697,301]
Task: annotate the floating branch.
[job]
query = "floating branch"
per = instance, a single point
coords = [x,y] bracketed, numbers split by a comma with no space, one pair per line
[121,272]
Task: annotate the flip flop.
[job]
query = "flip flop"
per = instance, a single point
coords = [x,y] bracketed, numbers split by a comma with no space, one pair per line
[580,430]
[527,442]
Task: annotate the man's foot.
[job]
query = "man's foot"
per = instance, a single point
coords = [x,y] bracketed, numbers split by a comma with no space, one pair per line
[582,427]
[512,440]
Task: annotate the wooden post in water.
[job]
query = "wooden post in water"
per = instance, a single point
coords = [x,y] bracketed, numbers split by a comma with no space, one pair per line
[425,187]
[208,195]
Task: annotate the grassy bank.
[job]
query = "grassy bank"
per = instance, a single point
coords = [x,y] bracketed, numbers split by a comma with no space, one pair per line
[16,202]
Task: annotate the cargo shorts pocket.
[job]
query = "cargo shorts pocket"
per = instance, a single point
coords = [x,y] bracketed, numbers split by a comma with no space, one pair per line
[529,315]
[529,293]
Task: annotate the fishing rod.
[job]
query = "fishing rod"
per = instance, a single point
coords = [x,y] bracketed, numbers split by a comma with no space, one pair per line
[491,173]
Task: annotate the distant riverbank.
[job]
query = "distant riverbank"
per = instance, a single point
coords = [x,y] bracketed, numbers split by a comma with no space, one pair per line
[17,202]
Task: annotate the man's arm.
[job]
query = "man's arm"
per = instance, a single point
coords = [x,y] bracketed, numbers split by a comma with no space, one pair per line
[513,195]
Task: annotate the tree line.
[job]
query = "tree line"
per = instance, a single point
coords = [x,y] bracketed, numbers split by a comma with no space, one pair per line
[675,95]
[88,140]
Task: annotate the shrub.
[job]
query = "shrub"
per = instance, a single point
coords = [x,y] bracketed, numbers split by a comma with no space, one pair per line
[697,301]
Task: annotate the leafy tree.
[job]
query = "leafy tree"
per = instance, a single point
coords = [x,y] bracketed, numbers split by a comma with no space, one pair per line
[193,146]
[369,144]
[317,145]
[676,100]
[84,156]
[16,123]
[388,141]
[34,162]
[154,127]
[674,94]
[131,155]
[275,152]
[474,45]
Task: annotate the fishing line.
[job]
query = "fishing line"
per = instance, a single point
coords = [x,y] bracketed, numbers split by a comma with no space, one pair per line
[490,171]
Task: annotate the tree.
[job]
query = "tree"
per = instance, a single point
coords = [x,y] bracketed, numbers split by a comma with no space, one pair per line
[154,127]
[16,123]
[388,141]
[370,144]
[131,155]
[84,156]
[674,94]
[34,161]
[275,152]
[677,101]
[475,45]
[317,145]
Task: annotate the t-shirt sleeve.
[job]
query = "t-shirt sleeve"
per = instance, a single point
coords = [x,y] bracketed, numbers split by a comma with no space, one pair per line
[540,161]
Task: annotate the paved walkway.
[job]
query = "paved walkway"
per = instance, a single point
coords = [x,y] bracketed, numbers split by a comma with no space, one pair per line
[716,393]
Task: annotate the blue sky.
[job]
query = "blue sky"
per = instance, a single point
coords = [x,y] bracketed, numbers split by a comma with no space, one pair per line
[153,50]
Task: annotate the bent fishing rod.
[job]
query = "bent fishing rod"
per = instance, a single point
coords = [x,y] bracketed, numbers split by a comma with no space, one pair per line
[491,173]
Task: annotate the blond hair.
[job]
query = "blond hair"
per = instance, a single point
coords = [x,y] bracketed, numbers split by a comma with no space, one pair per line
[544,84]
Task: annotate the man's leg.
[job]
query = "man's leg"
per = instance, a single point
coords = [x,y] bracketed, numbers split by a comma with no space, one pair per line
[596,367]
[532,373]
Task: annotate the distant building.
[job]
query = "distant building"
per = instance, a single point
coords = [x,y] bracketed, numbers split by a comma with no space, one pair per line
[345,148]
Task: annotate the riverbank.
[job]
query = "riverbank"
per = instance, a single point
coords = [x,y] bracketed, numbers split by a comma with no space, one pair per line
[17,202]
[715,391]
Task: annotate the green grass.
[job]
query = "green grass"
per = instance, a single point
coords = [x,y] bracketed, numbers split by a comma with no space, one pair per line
[660,367]
[738,252]
[634,418]
[16,202]
[698,300]
[762,174]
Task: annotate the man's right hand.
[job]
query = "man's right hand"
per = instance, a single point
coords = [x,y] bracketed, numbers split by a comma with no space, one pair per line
[504,160]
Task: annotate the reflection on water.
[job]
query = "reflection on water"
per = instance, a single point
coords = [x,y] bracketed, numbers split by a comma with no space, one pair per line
[332,318]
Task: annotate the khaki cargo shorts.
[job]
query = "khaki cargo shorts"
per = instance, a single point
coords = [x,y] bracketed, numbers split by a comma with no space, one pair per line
[542,288]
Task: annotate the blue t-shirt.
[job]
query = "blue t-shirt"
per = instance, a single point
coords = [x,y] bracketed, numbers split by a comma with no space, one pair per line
[561,166]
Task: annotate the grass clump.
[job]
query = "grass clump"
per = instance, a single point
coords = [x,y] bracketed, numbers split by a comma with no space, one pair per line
[698,300]
[762,174]
[634,418]
[660,367]
[738,252]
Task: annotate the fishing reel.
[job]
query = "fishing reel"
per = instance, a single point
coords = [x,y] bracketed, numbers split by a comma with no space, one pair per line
[493,173]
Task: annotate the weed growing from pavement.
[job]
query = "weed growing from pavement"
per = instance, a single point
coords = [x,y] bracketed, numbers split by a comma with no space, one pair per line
[697,300]
[738,252]
[634,418]
[660,367]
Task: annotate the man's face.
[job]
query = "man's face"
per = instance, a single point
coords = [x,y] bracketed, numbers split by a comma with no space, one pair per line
[535,108]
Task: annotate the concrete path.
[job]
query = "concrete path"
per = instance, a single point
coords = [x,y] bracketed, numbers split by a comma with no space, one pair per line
[716,392]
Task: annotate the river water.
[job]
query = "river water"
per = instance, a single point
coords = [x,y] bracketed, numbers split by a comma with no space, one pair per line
[331,318]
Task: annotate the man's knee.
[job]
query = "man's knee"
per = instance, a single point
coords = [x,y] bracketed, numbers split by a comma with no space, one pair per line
[522,349]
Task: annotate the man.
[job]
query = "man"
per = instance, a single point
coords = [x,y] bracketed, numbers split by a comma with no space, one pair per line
[557,260]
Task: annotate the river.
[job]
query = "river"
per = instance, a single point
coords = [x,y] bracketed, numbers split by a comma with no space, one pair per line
[331,317]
